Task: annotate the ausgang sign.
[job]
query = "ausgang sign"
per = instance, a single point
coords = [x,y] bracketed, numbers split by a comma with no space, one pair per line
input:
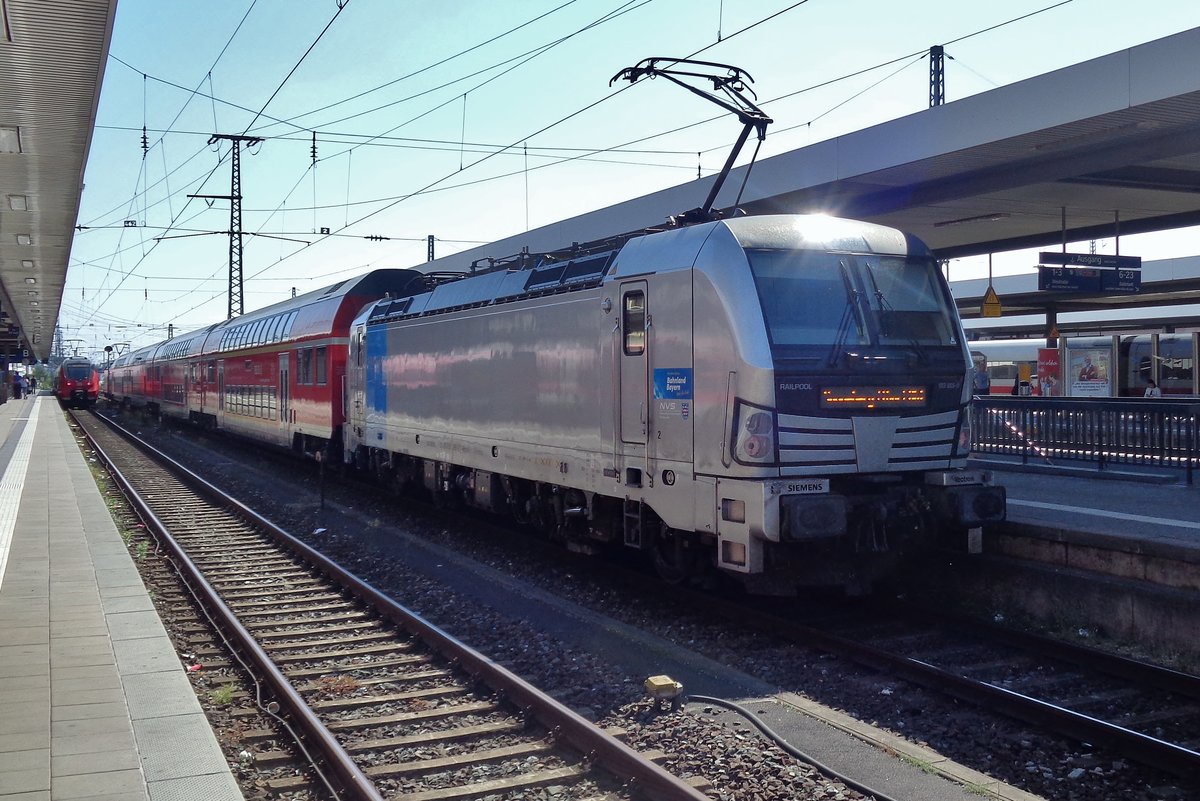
[1091,260]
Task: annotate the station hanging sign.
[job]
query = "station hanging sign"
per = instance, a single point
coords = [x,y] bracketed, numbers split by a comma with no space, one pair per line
[1086,279]
[1089,272]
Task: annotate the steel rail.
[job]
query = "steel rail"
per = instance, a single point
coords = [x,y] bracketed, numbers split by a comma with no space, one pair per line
[1163,678]
[317,737]
[1143,748]
[646,777]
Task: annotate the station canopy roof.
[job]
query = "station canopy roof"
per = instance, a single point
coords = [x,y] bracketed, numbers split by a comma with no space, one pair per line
[52,57]
[1112,144]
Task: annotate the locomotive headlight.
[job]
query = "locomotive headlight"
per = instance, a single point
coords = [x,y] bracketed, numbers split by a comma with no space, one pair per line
[759,423]
[755,436]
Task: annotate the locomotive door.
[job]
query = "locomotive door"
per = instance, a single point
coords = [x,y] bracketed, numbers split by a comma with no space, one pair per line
[634,391]
[285,400]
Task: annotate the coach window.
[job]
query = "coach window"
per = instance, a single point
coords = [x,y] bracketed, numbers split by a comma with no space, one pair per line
[320,364]
[305,359]
[634,323]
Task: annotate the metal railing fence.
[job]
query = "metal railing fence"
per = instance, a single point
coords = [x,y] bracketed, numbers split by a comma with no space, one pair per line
[1157,433]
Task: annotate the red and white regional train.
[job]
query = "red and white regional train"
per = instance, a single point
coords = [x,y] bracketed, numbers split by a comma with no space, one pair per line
[782,398]
[77,383]
[273,375]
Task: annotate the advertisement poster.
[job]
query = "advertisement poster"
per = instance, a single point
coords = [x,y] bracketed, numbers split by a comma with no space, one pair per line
[1089,373]
[1049,370]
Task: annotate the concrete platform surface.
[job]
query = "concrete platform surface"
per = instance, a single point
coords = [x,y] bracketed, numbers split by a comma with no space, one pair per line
[94,703]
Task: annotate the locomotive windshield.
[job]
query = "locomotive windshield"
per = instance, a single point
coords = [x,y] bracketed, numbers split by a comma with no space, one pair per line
[817,298]
[78,372]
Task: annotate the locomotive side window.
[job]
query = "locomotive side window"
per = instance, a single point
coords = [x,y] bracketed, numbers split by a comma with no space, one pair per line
[633,323]
[320,366]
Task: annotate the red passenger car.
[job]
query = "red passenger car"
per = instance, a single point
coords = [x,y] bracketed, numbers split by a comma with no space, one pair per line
[274,375]
[77,383]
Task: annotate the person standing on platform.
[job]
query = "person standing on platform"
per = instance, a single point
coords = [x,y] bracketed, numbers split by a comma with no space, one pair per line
[16,385]
[1152,390]
[981,384]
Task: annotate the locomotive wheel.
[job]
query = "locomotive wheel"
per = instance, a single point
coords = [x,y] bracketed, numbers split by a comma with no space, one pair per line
[674,561]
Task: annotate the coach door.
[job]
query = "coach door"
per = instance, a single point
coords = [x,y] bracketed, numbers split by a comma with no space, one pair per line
[220,405]
[634,356]
[285,400]
[208,385]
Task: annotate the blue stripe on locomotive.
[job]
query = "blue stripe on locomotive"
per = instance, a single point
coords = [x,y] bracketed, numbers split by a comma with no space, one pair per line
[376,389]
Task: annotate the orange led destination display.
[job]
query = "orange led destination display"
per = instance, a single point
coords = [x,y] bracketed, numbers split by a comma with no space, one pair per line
[872,397]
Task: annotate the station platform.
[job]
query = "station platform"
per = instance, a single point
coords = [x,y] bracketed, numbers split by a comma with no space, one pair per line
[94,702]
[1148,512]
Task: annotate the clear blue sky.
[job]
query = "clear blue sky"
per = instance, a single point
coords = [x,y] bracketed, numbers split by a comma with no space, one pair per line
[413,106]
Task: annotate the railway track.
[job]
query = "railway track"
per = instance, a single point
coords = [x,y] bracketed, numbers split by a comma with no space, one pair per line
[389,705]
[1141,711]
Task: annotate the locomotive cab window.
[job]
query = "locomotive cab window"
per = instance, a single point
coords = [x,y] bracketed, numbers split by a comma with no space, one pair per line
[633,323]
[815,299]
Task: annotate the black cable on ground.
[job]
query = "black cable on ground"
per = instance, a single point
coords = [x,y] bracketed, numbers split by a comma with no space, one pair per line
[791,749]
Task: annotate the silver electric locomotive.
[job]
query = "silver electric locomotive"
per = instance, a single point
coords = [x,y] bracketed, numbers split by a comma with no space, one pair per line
[783,398]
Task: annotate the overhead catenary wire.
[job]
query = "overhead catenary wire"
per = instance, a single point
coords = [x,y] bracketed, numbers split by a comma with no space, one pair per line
[428,67]
[619,11]
[341,6]
[572,115]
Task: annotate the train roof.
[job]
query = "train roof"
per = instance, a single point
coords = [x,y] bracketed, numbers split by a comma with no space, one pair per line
[142,354]
[530,275]
[311,314]
[822,232]
[524,280]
